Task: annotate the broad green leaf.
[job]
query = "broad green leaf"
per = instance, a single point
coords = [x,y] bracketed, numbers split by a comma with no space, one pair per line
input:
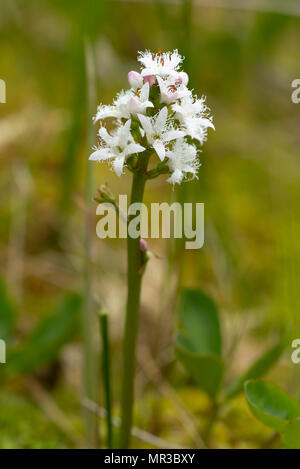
[49,337]
[257,370]
[200,323]
[291,434]
[199,344]
[7,314]
[206,370]
[271,404]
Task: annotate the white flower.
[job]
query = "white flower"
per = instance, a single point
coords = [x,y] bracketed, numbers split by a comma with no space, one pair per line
[159,131]
[182,160]
[197,127]
[117,146]
[140,102]
[119,109]
[126,103]
[171,90]
[189,107]
[160,64]
[192,114]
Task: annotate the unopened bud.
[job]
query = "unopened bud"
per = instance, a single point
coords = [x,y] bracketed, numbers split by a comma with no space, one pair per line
[183,78]
[143,245]
[105,194]
[150,79]
[135,80]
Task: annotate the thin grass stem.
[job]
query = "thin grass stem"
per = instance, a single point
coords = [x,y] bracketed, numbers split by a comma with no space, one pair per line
[103,319]
[89,319]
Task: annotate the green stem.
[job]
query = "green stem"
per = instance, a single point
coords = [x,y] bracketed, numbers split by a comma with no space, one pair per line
[134,274]
[106,375]
[211,421]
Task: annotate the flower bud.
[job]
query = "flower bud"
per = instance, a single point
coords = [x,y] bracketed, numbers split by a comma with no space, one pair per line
[183,78]
[150,79]
[143,245]
[135,80]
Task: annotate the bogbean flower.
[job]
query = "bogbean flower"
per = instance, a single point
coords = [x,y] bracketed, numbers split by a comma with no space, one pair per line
[171,90]
[158,112]
[162,64]
[125,104]
[117,147]
[182,160]
[159,132]
[192,114]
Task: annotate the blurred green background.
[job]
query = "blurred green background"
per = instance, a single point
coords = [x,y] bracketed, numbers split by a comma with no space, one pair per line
[59,59]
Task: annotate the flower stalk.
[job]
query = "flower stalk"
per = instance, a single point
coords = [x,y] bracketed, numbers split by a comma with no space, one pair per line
[134,282]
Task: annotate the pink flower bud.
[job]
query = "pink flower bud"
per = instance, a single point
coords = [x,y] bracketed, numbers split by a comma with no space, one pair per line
[143,245]
[183,78]
[135,80]
[150,79]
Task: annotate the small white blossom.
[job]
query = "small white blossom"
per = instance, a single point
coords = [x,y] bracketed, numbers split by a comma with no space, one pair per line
[161,64]
[159,131]
[126,103]
[192,114]
[182,161]
[119,109]
[171,90]
[117,146]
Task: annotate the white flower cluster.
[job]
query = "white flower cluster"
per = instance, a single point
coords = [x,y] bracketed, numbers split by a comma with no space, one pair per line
[158,112]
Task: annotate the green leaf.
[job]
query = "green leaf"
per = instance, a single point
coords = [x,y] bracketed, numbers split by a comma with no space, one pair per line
[49,337]
[199,344]
[291,434]
[7,314]
[206,370]
[199,321]
[271,404]
[257,370]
